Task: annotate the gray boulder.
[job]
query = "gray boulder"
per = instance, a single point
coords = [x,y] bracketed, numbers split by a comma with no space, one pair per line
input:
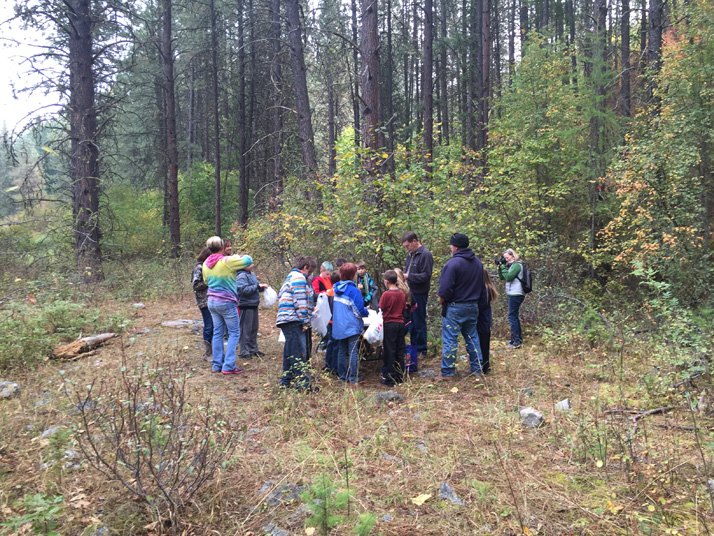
[388,396]
[274,530]
[9,390]
[52,430]
[446,493]
[427,373]
[531,417]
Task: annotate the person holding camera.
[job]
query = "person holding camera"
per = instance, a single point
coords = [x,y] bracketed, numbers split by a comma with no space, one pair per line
[508,270]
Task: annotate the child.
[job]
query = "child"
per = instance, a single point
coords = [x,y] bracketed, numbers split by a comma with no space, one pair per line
[365,283]
[483,324]
[331,348]
[320,285]
[248,300]
[393,303]
[200,289]
[347,324]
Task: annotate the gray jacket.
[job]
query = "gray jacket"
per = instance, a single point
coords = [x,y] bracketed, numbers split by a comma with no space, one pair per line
[248,289]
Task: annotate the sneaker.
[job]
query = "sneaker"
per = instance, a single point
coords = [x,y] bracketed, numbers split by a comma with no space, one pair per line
[246,357]
[215,370]
[236,370]
[258,354]
[387,383]
[513,346]
[445,378]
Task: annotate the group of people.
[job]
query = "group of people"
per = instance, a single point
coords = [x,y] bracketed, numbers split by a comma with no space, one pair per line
[228,293]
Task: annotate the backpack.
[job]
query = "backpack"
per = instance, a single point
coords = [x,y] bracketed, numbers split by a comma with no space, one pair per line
[525,278]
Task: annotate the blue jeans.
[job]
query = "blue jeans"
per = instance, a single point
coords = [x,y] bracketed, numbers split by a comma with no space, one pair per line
[207,324]
[417,329]
[348,359]
[225,316]
[331,351]
[460,318]
[295,361]
[514,305]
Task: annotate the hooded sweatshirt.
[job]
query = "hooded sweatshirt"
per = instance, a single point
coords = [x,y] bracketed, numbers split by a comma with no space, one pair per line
[219,273]
[461,278]
[347,311]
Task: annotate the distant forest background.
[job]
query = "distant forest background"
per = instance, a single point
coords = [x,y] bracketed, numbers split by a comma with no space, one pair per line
[577,131]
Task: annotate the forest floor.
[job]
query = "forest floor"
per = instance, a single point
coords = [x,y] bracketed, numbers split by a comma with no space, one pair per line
[603,467]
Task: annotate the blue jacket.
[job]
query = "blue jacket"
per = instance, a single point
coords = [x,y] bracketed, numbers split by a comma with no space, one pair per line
[347,311]
[461,278]
[248,289]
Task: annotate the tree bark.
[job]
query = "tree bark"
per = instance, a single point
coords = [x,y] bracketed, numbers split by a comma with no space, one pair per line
[84,145]
[484,87]
[370,84]
[445,118]
[171,133]
[276,76]
[625,52]
[243,188]
[302,101]
[654,48]
[216,119]
[428,86]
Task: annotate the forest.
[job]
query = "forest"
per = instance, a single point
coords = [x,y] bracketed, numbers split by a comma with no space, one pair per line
[578,132]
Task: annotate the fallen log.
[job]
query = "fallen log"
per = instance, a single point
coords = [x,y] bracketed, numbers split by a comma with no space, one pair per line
[81,346]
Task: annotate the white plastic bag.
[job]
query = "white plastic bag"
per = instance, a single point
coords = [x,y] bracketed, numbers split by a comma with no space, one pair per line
[269,297]
[281,337]
[375,332]
[321,316]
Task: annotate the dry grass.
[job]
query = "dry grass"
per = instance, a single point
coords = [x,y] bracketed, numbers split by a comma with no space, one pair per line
[587,471]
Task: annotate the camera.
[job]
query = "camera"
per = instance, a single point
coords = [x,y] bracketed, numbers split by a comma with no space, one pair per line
[500,260]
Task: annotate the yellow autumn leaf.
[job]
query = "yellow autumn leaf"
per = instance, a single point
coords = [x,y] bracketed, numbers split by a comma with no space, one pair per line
[599,463]
[454,389]
[385,155]
[310,531]
[421,499]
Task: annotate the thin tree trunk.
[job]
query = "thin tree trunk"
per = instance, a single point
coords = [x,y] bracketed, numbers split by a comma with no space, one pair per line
[216,118]
[84,145]
[370,84]
[484,87]
[355,61]
[276,76]
[445,118]
[428,86]
[302,102]
[242,132]
[388,90]
[625,52]
[654,49]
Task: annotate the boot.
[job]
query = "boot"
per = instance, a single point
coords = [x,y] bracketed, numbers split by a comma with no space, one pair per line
[208,354]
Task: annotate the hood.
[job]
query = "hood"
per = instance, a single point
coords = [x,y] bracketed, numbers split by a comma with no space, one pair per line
[341,287]
[464,253]
[213,260]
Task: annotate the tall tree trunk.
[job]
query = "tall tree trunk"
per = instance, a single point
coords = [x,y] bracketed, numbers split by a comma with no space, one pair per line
[276,76]
[370,84]
[471,100]
[625,52]
[243,189]
[216,118]
[331,130]
[428,86]
[444,79]
[512,42]
[484,87]
[387,102]
[355,66]
[171,133]
[302,102]
[570,14]
[84,145]
[524,25]
[654,48]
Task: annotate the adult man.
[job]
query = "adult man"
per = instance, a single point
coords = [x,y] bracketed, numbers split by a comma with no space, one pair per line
[461,288]
[417,269]
[294,319]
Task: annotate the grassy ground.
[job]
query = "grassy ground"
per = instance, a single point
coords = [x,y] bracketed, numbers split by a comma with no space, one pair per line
[601,468]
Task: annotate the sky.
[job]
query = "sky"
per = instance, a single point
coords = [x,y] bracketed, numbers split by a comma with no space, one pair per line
[17,108]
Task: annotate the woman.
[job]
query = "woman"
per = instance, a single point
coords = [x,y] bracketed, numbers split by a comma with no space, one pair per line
[200,290]
[509,271]
[485,318]
[347,324]
[219,273]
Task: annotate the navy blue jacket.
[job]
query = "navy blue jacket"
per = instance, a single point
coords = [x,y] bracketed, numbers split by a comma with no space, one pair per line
[461,278]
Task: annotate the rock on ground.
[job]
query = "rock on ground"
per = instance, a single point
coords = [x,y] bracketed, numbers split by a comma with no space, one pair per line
[388,396]
[563,405]
[9,390]
[448,494]
[182,323]
[427,373]
[531,417]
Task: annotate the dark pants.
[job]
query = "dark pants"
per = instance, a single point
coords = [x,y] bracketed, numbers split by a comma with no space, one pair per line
[295,362]
[248,330]
[207,323]
[331,351]
[417,329]
[514,306]
[484,338]
[394,350]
